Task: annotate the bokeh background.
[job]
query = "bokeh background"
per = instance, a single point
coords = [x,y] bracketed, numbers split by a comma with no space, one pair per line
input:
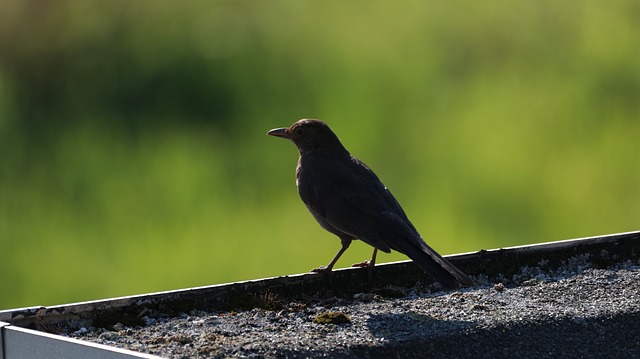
[133,154]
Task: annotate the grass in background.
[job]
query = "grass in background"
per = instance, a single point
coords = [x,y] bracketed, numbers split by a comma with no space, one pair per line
[134,154]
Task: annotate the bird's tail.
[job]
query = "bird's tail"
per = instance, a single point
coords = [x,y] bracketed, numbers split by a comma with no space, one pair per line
[434,264]
[444,272]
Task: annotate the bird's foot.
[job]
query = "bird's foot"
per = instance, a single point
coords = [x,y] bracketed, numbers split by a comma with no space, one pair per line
[365,264]
[322,269]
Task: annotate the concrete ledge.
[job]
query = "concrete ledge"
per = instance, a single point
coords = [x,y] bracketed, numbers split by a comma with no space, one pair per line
[576,297]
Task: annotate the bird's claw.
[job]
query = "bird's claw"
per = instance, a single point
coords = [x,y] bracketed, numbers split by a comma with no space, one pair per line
[364,264]
[322,269]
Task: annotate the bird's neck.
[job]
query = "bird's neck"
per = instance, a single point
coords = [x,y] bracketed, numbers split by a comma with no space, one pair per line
[329,152]
[321,157]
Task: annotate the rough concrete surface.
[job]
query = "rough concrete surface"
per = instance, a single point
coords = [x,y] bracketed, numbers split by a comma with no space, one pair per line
[571,311]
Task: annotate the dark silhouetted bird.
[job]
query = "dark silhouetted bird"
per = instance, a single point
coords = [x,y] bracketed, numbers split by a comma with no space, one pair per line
[349,200]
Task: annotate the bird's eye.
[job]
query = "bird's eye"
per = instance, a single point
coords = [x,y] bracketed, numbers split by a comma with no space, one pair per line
[298,131]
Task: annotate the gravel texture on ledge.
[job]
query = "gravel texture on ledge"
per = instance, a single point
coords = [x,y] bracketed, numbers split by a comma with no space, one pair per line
[573,311]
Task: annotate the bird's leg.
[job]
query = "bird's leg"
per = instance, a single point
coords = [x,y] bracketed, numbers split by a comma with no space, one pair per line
[326,270]
[370,263]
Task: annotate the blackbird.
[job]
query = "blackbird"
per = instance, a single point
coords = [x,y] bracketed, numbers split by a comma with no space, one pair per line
[349,200]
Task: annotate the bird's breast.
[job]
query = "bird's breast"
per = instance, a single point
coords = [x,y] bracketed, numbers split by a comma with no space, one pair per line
[299,171]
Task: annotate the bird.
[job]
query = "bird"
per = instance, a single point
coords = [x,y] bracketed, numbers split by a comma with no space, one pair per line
[348,199]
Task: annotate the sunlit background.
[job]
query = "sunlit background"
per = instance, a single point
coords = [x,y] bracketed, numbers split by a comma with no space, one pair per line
[133,154]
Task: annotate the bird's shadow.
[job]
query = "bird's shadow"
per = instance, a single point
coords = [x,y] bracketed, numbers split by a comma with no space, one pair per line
[408,326]
[415,335]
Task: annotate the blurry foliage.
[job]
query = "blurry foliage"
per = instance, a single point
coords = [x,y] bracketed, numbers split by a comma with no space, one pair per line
[134,155]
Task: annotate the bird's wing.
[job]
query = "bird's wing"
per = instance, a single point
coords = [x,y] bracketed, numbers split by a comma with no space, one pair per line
[351,200]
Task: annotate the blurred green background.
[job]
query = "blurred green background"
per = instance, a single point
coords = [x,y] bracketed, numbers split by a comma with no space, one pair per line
[134,156]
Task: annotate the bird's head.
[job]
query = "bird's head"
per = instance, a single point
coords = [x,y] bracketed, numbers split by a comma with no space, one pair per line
[310,136]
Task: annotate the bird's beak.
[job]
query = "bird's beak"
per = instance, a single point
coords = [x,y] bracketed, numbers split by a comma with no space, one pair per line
[279,132]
